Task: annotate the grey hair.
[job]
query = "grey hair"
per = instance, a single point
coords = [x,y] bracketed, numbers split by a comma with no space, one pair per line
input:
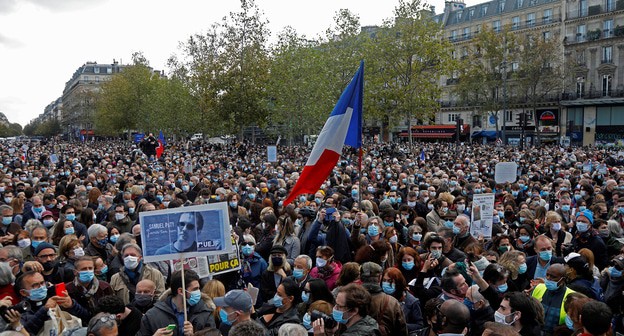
[466,218]
[307,259]
[614,228]
[6,274]
[131,245]
[14,252]
[291,329]
[5,207]
[94,229]
[33,224]
[247,328]
[96,325]
[476,295]
[124,238]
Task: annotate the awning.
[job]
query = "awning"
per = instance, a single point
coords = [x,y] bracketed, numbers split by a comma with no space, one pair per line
[429,135]
[486,134]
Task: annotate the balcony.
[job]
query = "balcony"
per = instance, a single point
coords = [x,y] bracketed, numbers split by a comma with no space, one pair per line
[536,23]
[594,10]
[606,61]
[594,35]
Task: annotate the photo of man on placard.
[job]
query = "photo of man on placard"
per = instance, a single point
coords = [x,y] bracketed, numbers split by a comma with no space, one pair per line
[188,227]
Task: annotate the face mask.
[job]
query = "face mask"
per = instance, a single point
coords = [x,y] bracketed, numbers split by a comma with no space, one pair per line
[278,301]
[307,321]
[38,294]
[185,188]
[565,208]
[393,239]
[469,304]
[36,243]
[373,230]
[305,297]
[448,224]
[481,264]
[86,276]
[131,262]
[114,238]
[70,217]
[131,210]
[503,249]
[551,285]
[23,243]
[408,265]
[604,233]
[429,206]
[48,222]
[582,208]
[411,204]
[614,272]
[338,316]
[48,266]
[119,216]
[277,261]
[103,242]
[514,193]
[194,297]
[556,226]
[247,250]
[298,273]
[79,252]
[104,270]
[143,300]
[320,262]
[545,255]
[461,207]
[525,239]
[502,288]
[523,268]
[7,220]
[569,323]
[388,288]
[436,254]
[69,230]
[582,227]
[456,230]
[8,200]
[500,318]
[522,219]
[621,210]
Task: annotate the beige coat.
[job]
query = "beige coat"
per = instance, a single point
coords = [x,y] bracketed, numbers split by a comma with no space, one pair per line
[121,289]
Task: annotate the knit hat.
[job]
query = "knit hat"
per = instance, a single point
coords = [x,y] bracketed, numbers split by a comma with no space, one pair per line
[588,214]
[43,246]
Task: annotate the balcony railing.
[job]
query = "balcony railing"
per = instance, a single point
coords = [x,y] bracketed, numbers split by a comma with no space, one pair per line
[592,35]
[594,10]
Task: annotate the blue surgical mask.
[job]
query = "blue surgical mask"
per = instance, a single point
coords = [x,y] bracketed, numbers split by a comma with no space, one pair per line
[448,224]
[298,273]
[388,224]
[545,255]
[469,304]
[551,285]
[307,321]
[277,301]
[456,230]
[338,316]
[503,288]
[522,268]
[38,294]
[417,236]
[247,250]
[388,288]
[525,239]
[569,323]
[565,208]
[7,220]
[69,230]
[582,208]
[614,272]
[86,276]
[194,298]
[35,243]
[223,315]
[373,230]
[582,227]
[71,217]
[104,269]
[408,265]
[305,297]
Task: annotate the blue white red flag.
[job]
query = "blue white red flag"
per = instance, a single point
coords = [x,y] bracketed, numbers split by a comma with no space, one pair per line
[343,127]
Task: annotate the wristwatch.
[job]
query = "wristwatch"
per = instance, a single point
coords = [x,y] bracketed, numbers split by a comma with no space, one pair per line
[19,327]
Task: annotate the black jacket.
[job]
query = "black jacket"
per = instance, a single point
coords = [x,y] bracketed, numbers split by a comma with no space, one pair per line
[162,314]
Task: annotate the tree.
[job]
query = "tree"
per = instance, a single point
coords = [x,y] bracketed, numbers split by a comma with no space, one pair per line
[406,58]
[540,70]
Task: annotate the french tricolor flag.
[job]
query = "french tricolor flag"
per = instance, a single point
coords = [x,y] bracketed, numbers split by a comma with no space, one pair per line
[343,127]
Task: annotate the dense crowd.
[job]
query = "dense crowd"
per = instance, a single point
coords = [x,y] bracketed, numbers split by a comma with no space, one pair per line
[381,250]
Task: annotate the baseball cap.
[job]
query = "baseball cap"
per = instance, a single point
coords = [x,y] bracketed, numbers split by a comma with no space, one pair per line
[47,213]
[237,299]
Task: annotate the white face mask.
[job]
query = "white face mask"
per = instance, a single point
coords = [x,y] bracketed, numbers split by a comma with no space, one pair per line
[500,318]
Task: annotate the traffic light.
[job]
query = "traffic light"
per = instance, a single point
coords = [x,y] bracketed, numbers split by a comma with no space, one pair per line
[521,119]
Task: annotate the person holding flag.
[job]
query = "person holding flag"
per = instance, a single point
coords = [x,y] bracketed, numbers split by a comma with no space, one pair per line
[161,145]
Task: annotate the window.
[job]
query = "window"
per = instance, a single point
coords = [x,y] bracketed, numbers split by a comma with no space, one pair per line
[109,70]
[466,33]
[496,26]
[546,35]
[459,14]
[580,57]
[580,33]
[471,12]
[547,18]
[515,22]
[96,70]
[508,116]
[452,117]
[484,10]
[86,78]
[530,19]
[607,54]
[583,8]
[519,3]
[607,28]
[476,121]
[606,85]
[453,35]
[610,5]
[477,29]
[501,6]
[580,87]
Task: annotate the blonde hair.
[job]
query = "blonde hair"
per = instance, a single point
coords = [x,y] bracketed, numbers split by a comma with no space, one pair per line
[509,260]
[551,217]
[214,288]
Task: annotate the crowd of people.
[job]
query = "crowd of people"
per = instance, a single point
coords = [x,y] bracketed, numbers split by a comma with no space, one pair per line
[381,249]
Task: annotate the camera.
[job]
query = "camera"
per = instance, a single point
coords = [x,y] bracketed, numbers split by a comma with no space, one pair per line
[21,308]
[327,320]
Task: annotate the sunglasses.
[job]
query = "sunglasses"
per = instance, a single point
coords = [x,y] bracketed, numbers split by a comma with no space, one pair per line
[189,226]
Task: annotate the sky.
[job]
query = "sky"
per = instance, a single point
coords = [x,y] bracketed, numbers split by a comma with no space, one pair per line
[43,42]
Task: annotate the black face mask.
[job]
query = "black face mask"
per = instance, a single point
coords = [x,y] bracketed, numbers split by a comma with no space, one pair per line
[49,265]
[508,213]
[277,261]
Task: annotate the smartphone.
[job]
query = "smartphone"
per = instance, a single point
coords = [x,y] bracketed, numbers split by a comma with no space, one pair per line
[171,327]
[60,289]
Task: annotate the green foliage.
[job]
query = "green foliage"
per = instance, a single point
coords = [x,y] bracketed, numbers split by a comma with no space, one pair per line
[47,128]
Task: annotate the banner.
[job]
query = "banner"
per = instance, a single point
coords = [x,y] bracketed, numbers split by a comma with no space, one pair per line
[505,172]
[194,231]
[272,153]
[209,266]
[481,216]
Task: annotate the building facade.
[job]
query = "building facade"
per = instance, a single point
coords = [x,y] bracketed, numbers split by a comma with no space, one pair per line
[589,106]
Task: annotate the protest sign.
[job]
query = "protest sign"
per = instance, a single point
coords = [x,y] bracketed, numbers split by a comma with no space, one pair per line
[209,266]
[272,153]
[481,216]
[194,231]
[505,172]
[54,158]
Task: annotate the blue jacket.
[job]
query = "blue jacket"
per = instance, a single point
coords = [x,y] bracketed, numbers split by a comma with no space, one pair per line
[257,266]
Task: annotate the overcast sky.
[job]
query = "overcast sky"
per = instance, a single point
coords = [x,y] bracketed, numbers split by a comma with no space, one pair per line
[42,42]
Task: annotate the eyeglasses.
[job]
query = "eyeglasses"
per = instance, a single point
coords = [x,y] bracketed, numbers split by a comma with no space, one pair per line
[103,319]
[189,226]
[247,243]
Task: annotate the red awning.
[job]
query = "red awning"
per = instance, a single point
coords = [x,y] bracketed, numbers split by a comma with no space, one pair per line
[429,135]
